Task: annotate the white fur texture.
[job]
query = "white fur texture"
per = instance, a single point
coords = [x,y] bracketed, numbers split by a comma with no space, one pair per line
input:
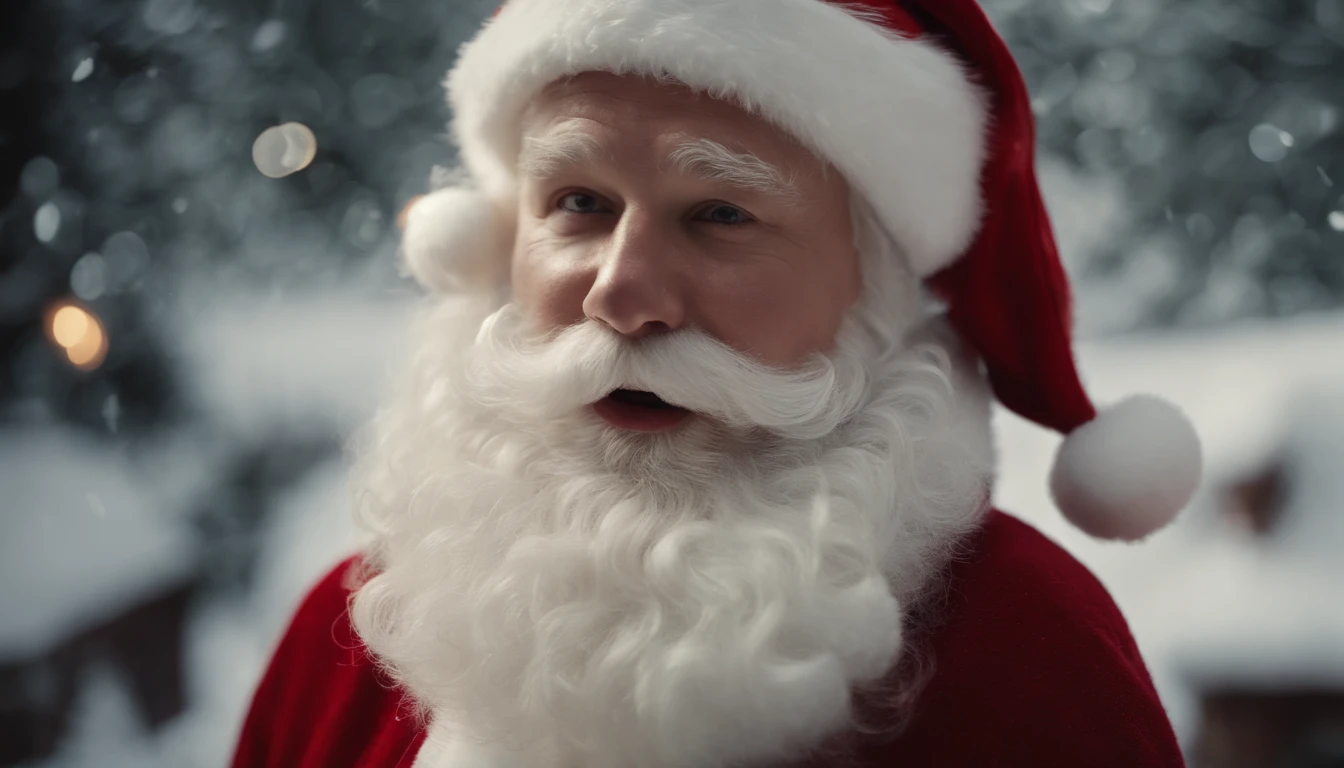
[1129,471]
[898,117]
[445,746]
[555,592]
[454,239]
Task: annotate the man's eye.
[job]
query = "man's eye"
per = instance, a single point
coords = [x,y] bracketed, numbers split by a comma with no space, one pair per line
[582,202]
[726,214]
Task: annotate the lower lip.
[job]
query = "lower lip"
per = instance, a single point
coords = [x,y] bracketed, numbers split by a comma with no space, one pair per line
[638,418]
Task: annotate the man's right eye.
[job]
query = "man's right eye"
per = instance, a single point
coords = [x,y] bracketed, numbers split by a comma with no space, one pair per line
[581,202]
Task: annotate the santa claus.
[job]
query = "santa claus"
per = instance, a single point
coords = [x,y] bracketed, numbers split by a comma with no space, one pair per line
[693,466]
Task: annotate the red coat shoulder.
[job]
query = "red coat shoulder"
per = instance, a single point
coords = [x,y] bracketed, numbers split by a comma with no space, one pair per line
[1034,666]
[322,702]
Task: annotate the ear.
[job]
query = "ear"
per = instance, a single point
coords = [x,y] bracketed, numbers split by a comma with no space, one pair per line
[456,239]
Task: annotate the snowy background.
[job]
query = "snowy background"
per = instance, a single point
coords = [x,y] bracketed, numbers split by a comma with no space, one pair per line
[187,342]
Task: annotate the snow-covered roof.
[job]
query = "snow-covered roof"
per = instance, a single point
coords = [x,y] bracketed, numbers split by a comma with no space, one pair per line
[1208,600]
[84,534]
[298,362]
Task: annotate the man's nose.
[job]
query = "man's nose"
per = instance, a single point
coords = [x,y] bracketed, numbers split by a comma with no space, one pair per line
[635,291]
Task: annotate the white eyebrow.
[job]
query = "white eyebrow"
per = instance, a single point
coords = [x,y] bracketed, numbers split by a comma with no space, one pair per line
[568,144]
[713,161]
[543,156]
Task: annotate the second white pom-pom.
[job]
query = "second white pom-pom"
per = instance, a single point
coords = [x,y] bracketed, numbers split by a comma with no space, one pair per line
[1129,471]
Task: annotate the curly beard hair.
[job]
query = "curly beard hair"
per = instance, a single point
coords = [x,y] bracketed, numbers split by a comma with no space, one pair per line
[553,591]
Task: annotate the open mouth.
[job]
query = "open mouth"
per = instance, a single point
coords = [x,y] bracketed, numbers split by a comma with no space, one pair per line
[639,411]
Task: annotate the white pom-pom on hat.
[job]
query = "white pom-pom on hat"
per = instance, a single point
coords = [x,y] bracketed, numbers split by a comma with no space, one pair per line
[1129,471]
[454,238]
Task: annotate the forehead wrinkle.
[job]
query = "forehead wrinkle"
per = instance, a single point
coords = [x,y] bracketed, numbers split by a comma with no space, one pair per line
[566,144]
[715,162]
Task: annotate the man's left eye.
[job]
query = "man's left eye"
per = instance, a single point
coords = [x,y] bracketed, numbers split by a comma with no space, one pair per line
[726,214]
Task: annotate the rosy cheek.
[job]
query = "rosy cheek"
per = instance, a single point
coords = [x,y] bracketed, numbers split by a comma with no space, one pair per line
[550,280]
[736,306]
[781,316]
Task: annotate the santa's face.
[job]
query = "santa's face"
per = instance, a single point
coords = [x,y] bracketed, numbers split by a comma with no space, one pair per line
[649,208]
[637,583]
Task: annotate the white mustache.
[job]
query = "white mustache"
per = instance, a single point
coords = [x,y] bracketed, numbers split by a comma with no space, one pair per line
[546,379]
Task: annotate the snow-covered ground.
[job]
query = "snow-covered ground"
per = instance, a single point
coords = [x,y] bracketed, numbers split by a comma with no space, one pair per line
[1205,597]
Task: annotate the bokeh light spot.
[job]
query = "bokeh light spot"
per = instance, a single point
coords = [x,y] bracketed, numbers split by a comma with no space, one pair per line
[269,35]
[169,17]
[68,325]
[82,71]
[126,256]
[89,352]
[40,178]
[284,149]
[79,333]
[88,278]
[47,222]
[1269,142]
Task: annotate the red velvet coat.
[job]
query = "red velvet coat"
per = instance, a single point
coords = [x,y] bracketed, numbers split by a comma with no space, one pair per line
[1035,667]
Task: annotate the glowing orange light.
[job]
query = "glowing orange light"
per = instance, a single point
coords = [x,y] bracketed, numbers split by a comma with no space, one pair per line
[68,325]
[79,333]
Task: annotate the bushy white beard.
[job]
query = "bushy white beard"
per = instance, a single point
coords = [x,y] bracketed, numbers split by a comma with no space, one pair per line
[575,595]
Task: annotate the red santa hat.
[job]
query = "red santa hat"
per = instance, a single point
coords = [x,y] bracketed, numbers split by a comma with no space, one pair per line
[922,108]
